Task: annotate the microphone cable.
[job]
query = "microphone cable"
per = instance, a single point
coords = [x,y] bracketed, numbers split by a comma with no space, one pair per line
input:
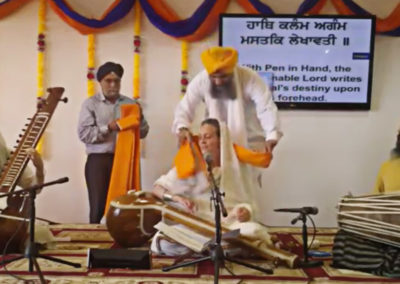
[314,233]
[5,252]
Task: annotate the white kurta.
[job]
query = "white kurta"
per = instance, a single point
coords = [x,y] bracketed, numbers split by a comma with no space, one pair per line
[233,178]
[198,190]
[253,114]
[195,188]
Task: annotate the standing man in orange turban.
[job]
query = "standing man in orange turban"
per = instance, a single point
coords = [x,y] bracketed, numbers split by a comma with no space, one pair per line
[232,94]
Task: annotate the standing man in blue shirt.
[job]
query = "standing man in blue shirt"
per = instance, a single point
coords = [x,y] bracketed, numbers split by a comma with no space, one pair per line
[98,129]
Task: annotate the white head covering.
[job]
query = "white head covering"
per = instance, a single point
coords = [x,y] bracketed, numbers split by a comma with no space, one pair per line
[236,177]
[235,180]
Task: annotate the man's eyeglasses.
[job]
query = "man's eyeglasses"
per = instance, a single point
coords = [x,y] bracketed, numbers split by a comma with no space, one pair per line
[110,81]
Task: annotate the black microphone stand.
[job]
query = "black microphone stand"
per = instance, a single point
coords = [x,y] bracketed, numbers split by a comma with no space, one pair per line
[216,252]
[31,250]
[305,263]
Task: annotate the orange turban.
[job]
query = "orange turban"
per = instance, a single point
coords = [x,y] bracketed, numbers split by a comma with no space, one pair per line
[221,59]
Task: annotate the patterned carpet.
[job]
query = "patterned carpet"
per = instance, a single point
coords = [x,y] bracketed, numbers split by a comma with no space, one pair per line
[76,239]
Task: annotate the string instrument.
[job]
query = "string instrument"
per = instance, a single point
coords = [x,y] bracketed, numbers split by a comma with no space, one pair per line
[374,217]
[140,211]
[17,205]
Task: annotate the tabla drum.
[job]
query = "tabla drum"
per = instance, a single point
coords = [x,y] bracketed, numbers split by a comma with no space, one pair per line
[131,225]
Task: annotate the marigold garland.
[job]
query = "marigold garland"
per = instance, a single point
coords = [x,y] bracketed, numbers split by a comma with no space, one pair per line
[117,10]
[136,46]
[40,57]
[184,67]
[202,22]
[196,27]
[388,26]
[7,6]
[136,66]
[91,66]
[41,47]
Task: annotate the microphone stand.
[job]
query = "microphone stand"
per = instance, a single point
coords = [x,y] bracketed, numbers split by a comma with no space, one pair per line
[216,252]
[31,250]
[305,263]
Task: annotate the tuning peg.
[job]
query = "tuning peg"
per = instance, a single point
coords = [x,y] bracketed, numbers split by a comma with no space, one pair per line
[29,118]
[64,100]
[20,135]
[18,141]
[40,102]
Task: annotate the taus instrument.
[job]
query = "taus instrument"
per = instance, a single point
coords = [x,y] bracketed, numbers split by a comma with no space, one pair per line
[131,219]
[12,218]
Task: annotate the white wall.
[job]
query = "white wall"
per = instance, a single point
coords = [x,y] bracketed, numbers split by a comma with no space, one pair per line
[322,156]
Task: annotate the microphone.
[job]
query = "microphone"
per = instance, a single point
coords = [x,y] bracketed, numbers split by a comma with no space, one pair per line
[35,187]
[208,158]
[39,186]
[294,221]
[303,210]
[60,180]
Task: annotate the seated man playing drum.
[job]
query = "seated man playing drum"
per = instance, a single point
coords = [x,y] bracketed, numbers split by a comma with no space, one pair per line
[192,193]
[369,235]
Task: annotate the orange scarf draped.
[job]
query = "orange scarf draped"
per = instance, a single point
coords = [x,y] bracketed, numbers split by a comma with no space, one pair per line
[256,159]
[189,159]
[125,173]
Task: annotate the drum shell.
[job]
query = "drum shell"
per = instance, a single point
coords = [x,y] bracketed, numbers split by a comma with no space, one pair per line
[131,227]
[373,217]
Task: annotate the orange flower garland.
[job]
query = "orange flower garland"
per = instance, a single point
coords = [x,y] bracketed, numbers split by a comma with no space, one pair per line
[184,68]
[136,55]
[91,65]
[40,58]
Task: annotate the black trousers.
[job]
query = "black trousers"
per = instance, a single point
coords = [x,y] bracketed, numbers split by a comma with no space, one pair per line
[98,173]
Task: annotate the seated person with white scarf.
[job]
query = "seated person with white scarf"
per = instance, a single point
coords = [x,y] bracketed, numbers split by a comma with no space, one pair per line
[193,193]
